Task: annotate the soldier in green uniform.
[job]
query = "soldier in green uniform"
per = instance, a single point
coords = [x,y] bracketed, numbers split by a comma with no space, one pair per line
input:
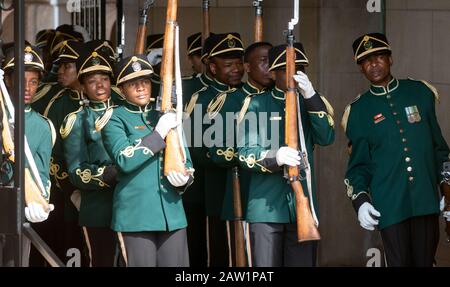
[90,168]
[223,53]
[40,135]
[194,48]
[105,47]
[148,212]
[194,199]
[397,155]
[54,43]
[223,153]
[65,101]
[262,150]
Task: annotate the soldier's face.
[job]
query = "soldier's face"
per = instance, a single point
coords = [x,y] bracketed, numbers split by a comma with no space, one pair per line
[67,75]
[97,87]
[279,76]
[137,91]
[377,69]
[227,71]
[197,65]
[257,67]
[31,85]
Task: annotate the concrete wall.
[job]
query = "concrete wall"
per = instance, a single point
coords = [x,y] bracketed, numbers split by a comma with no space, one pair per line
[417,30]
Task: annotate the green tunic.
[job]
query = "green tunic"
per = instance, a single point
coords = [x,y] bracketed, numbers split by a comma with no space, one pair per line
[191,85]
[143,199]
[63,103]
[225,153]
[270,198]
[397,150]
[215,176]
[44,95]
[88,163]
[40,135]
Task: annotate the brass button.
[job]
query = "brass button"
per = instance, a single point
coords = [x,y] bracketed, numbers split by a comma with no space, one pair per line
[391,105]
[409,169]
[403,140]
[406,149]
[411,178]
[388,96]
[394,113]
[401,131]
[407,159]
[398,122]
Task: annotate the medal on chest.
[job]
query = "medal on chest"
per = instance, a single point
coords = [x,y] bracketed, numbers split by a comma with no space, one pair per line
[413,115]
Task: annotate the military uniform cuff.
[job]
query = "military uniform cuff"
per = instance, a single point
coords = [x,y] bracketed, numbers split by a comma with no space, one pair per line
[270,161]
[315,104]
[182,189]
[154,142]
[360,200]
[110,175]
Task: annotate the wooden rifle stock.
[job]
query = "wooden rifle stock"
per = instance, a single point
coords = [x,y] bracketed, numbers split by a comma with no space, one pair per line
[258,29]
[173,156]
[142,29]
[205,24]
[306,228]
[32,193]
[239,241]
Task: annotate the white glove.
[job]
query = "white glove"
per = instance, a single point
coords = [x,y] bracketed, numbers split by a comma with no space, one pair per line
[304,84]
[165,123]
[177,179]
[445,214]
[35,212]
[287,156]
[154,57]
[75,197]
[365,212]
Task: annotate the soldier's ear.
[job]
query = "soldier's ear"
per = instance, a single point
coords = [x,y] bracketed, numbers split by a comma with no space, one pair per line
[273,76]
[247,67]
[391,60]
[213,68]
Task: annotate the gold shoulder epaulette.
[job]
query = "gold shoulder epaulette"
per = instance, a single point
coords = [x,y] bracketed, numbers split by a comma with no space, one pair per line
[217,103]
[42,92]
[244,108]
[329,107]
[190,106]
[101,122]
[431,87]
[68,123]
[55,97]
[344,120]
[52,129]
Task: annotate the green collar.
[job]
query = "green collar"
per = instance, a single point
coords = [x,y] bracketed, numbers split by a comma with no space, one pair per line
[381,91]
[133,108]
[206,81]
[249,89]
[220,87]
[278,94]
[99,105]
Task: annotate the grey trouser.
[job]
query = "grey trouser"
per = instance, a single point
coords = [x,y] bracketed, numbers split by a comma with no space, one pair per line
[275,245]
[155,248]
